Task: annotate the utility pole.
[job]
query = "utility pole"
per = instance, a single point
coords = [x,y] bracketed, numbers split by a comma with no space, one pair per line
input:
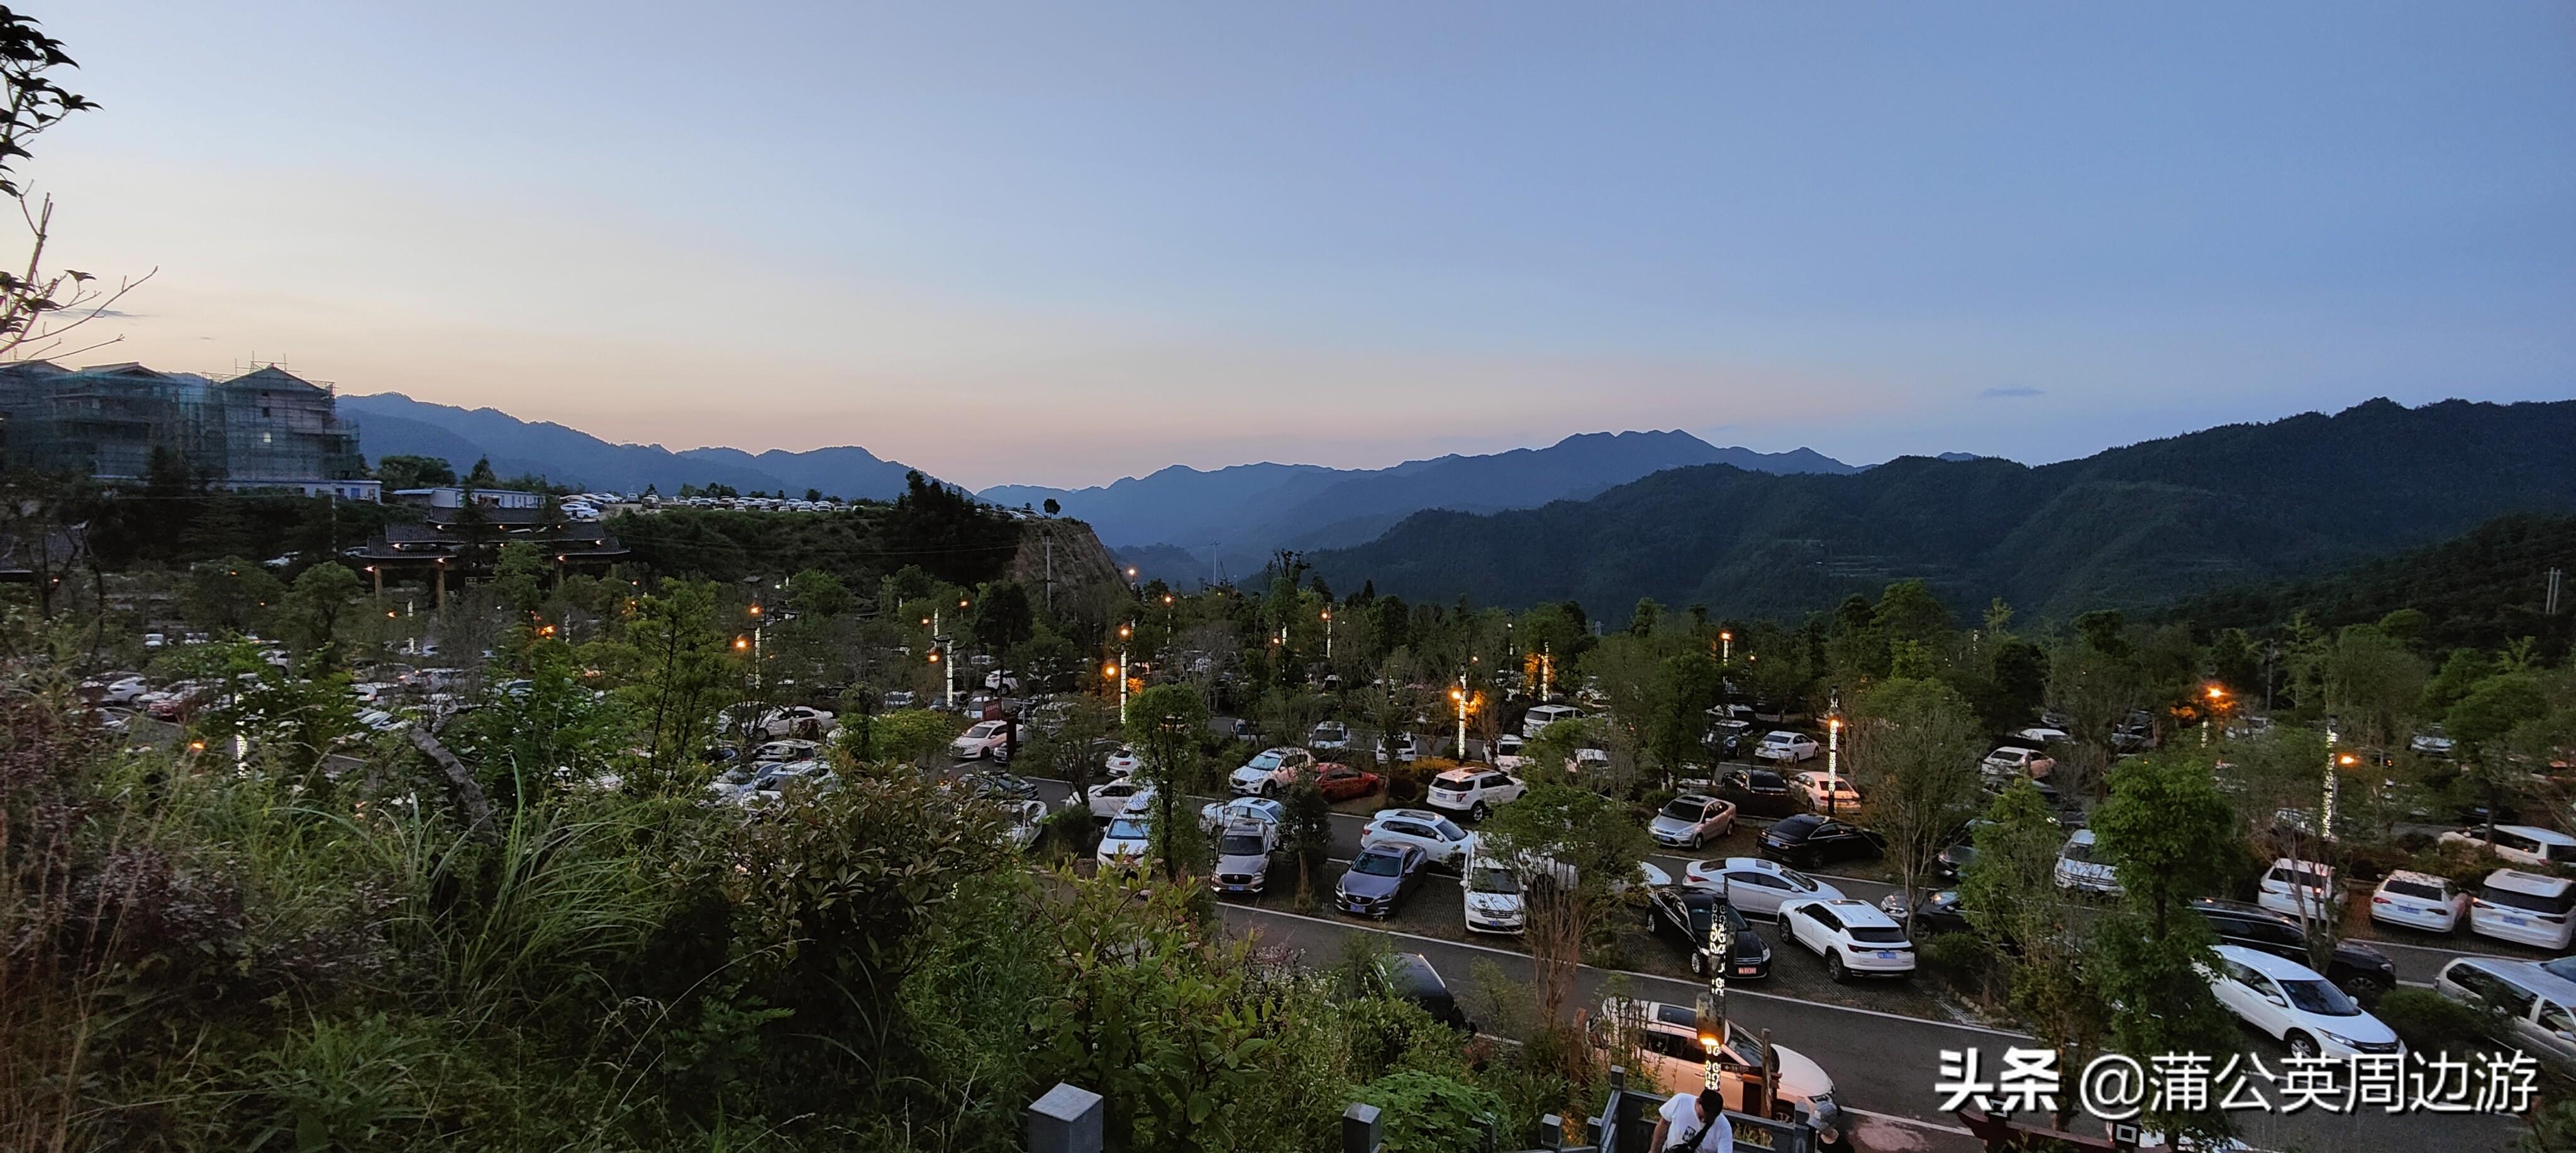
[1328,636]
[1124,632]
[1833,750]
[1050,571]
[1461,697]
[2549,601]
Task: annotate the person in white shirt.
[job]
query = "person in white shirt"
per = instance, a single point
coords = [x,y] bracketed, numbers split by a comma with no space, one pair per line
[1693,1124]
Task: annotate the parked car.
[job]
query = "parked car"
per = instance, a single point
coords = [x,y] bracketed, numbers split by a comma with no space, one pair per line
[1339,782]
[1671,1058]
[1026,820]
[2525,908]
[2301,888]
[1940,912]
[1540,717]
[2419,901]
[1440,839]
[1755,784]
[1126,842]
[2041,736]
[1730,738]
[786,750]
[2078,871]
[1756,887]
[1220,814]
[2520,844]
[1687,912]
[1820,791]
[1110,799]
[1121,761]
[1270,771]
[1473,791]
[2534,1007]
[898,699]
[1808,839]
[1786,747]
[1000,786]
[1507,752]
[982,739]
[2361,971]
[1411,977]
[2297,1006]
[797,721]
[1243,856]
[1588,761]
[1852,936]
[2010,760]
[2431,742]
[1691,820]
[1379,878]
[1329,735]
[1492,897]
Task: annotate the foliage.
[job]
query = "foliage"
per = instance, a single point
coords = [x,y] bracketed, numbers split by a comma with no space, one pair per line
[1429,1113]
[1914,750]
[2009,896]
[2151,952]
[2431,1023]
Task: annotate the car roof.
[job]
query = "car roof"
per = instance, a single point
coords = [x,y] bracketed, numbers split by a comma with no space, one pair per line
[2084,835]
[2277,968]
[2304,866]
[1694,797]
[1780,733]
[1252,827]
[1854,911]
[1757,864]
[2517,881]
[1425,816]
[2527,974]
[2550,836]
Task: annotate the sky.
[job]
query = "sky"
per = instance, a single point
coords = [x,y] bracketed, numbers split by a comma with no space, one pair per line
[1059,244]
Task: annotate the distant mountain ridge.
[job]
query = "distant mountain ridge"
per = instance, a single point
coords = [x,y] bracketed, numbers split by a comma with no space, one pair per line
[1244,512]
[2129,527]
[390,423]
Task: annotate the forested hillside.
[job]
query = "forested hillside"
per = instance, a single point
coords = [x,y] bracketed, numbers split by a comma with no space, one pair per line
[2131,527]
[2483,589]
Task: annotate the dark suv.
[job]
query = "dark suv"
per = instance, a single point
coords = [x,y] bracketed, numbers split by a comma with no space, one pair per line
[2357,969]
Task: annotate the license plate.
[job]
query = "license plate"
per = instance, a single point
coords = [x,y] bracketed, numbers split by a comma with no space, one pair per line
[1884,955]
[2517,921]
[1745,970]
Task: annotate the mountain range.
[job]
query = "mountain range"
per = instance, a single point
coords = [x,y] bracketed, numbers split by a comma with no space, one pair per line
[2129,527]
[391,423]
[1182,522]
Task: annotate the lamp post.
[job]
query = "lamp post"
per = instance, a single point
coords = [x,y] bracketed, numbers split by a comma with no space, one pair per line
[1712,1004]
[1546,670]
[2334,780]
[756,623]
[1726,646]
[1124,632]
[2217,704]
[1833,750]
[1328,636]
[1459,695]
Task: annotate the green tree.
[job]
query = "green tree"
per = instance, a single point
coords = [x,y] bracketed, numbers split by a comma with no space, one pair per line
[815,593]
[230,594]
[1165,721]
[481,476]
[678,672]
[2152,952]
[518,578]
[1573,852]
[1687,685]
[309,613]
[2009,895]
[904,736]
[402,471]
[2372,682]
[1914,751]
[2479,723]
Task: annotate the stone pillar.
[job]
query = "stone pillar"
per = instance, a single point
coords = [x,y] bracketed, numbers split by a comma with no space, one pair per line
[1360,1129]
[1065,1120]
[438,599]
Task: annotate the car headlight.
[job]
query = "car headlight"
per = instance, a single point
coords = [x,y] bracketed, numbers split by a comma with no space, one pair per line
[2339,1039]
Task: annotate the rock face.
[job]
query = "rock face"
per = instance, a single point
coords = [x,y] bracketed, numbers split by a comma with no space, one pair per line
[1077,560]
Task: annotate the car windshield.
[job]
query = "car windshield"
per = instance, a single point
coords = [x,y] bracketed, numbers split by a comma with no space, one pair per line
[1378,865]
[2318,997]
[1239,845]
[2300,877]
[1125,829]
[1873,935]
[1685,810]
[1798,881]
[986,729]
[1489,879]
[2081,852]
[1268,760]
[2534,902]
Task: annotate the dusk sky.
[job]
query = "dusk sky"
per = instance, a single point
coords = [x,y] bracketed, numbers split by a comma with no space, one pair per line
[1058,244]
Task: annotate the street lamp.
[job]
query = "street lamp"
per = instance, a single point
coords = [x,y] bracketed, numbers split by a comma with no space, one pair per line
[1459,695]
[1726,646]
[1124,632]
[1833,751]
[1328,635]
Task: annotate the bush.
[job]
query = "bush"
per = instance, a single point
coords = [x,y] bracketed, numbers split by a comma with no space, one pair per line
[1967,962]
[2466,864]
[1429,1112]
[2431,1022]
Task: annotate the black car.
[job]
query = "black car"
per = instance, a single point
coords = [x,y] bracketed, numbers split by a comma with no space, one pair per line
[1409,976]
[1755,782]
[2359,970]
[1954,861]
[1684,912]
[999,786]
[1808,839]
[1940,912]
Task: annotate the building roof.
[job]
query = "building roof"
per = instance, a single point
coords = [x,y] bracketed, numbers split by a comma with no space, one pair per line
[271,376]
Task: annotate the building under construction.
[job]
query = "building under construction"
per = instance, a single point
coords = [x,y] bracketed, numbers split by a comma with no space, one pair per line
[264,429]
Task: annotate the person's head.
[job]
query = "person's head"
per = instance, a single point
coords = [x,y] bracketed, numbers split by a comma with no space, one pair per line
[1711,1103]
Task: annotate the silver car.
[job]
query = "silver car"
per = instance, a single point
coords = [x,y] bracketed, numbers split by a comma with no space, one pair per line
[1691,820]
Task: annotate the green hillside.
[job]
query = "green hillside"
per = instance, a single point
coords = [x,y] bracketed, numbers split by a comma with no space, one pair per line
[2482,589]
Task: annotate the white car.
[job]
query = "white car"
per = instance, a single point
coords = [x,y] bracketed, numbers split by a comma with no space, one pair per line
[2521,844]
[1109,800]
[1507,752]
[1270,771]
[2078,871]
[1332,735]
[1672,1059]
[1756,887]
[2301,889]
[1126,841]
[1493,898]
[1472,791]
[1691,820]
[1221,814]
[1785,747]
[1027,819]
[1540,717]
[2009,761]
[985,739]
[1854,937]
[2041,734]
[784,751]
[1588,761]
[1437,836]
[2431,743]
[2419,901]
[796,721]
[2524,908]
[124,690]
[1818,788]
[1122,762]
[2296,1005]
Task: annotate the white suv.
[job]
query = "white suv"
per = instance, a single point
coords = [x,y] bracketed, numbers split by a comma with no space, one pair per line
[1270,771]
[1448,845]
[1473,791]
[1853,937]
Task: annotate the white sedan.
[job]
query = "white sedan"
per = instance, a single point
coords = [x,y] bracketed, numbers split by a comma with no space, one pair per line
[1122,763]
[2296,1005]
[1756,887]
[1026,819]
[1818,788]
[1785,747]
[2419,901]
[1111,799]
[1126,842]
[985,739]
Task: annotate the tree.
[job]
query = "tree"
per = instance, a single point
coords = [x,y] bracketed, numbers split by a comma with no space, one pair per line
[2009,895]
[1052,508]
[480,476]
[403,470]
[38,307]
[1571,850]
[901,737]
[2479,723]
[309,613]
[1306,836]
[1914,750]
[2372,683]
[816,593]
[679,673]
[229,594]
[518,577]
[2152,952]
[1165,721]
[1002,615]
[2095,689]
[1687,686]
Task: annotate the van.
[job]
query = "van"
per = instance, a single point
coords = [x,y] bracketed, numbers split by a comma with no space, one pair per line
[2525,908]
[1540,717]
[2535,1008]
[2521,844]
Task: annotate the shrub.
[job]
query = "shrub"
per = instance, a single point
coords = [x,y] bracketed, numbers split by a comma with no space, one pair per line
[1967,962]
[1430,1113]
[2431,1022]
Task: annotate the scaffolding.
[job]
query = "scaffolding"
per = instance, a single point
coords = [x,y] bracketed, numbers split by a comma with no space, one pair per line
[262,427]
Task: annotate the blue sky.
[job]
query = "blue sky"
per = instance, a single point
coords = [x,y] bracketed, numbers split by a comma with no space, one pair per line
[1061,243]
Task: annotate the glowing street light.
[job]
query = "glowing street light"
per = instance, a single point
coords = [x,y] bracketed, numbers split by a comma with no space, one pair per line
[1726,646]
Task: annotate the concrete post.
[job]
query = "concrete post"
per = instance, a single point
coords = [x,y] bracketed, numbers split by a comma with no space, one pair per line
[1065,1120]
[1360,1128]
[1551,1132]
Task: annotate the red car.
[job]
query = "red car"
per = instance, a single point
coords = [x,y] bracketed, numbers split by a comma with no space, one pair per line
[1339,782]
